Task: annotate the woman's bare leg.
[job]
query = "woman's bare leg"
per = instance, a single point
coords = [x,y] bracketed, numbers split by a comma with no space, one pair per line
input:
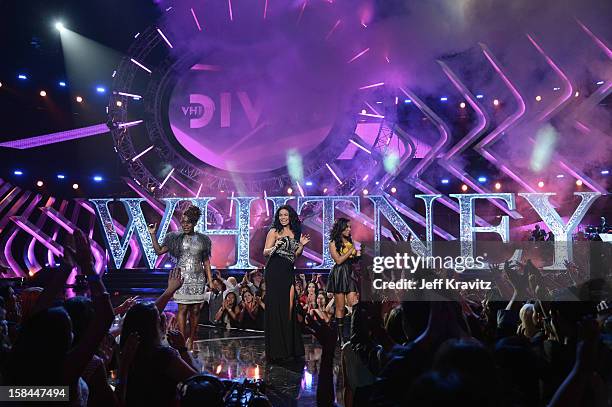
[181,319]
[194,317]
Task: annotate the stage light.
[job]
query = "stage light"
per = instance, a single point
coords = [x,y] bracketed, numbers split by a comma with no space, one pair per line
[482,179]
[538,98]
[365,191]
[462,105]
[97,178]
[43,93]
[39,183]
[443,99]
[363,111]
[579,182]
[22,77]
[167,265]
[495,102]
[75,186]
[479,96]
[464,187]
[62,84]
[541,184]
[560,176]
[289,190]
[556,89]
[119,103]
[605,172]
[600,83]
[59,26]
[324,190]
[100,89]
[79,99]
[444,181]
[18,172]
[576,94]
[61,176]
[497,186]
[393,190]
[0,84]
[308,183]
[407,101]
[31,273]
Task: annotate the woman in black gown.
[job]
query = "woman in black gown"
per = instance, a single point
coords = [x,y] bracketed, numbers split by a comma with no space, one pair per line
[284,243]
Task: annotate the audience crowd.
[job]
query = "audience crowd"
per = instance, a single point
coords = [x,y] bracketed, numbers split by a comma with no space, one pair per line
[536,349]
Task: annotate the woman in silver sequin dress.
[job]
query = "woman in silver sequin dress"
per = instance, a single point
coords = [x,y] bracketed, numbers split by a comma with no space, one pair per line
[192,253]
[284,243]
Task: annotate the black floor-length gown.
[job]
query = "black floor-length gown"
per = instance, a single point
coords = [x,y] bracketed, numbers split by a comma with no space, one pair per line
[282,331]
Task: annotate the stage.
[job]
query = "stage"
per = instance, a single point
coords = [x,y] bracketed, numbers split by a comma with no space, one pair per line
[235,354]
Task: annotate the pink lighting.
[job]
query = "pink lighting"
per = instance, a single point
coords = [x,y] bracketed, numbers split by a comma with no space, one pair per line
[372,86]
[265,10]
[302,10]
[332,30]
[167,178]
[378,116]
[195,18]
[140,65]
[356,144]
[231,13]
[136,157]
[358,55]
[333,173]
[165,38]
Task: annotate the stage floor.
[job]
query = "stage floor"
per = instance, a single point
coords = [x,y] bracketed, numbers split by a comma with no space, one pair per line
[240,353]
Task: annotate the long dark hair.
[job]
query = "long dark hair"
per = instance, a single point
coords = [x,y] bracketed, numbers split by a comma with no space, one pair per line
[294,221]
[142,318]
[336,233]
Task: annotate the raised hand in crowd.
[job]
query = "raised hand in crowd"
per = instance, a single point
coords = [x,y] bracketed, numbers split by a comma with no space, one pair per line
[175,281]
[125,305]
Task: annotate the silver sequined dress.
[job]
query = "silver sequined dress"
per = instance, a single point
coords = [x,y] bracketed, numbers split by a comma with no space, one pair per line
[190,251]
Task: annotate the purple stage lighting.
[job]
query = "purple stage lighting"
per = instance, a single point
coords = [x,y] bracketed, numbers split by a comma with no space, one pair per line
[479,96]
[444,181]
[443,99]
[482,179]
[605,172]
[308,183]
[407,101]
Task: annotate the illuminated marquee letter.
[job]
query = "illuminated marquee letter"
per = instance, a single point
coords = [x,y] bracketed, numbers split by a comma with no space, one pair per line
[381,205]
[467,230]
[328,220]
[563,233]
[136,221]
[243,220]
